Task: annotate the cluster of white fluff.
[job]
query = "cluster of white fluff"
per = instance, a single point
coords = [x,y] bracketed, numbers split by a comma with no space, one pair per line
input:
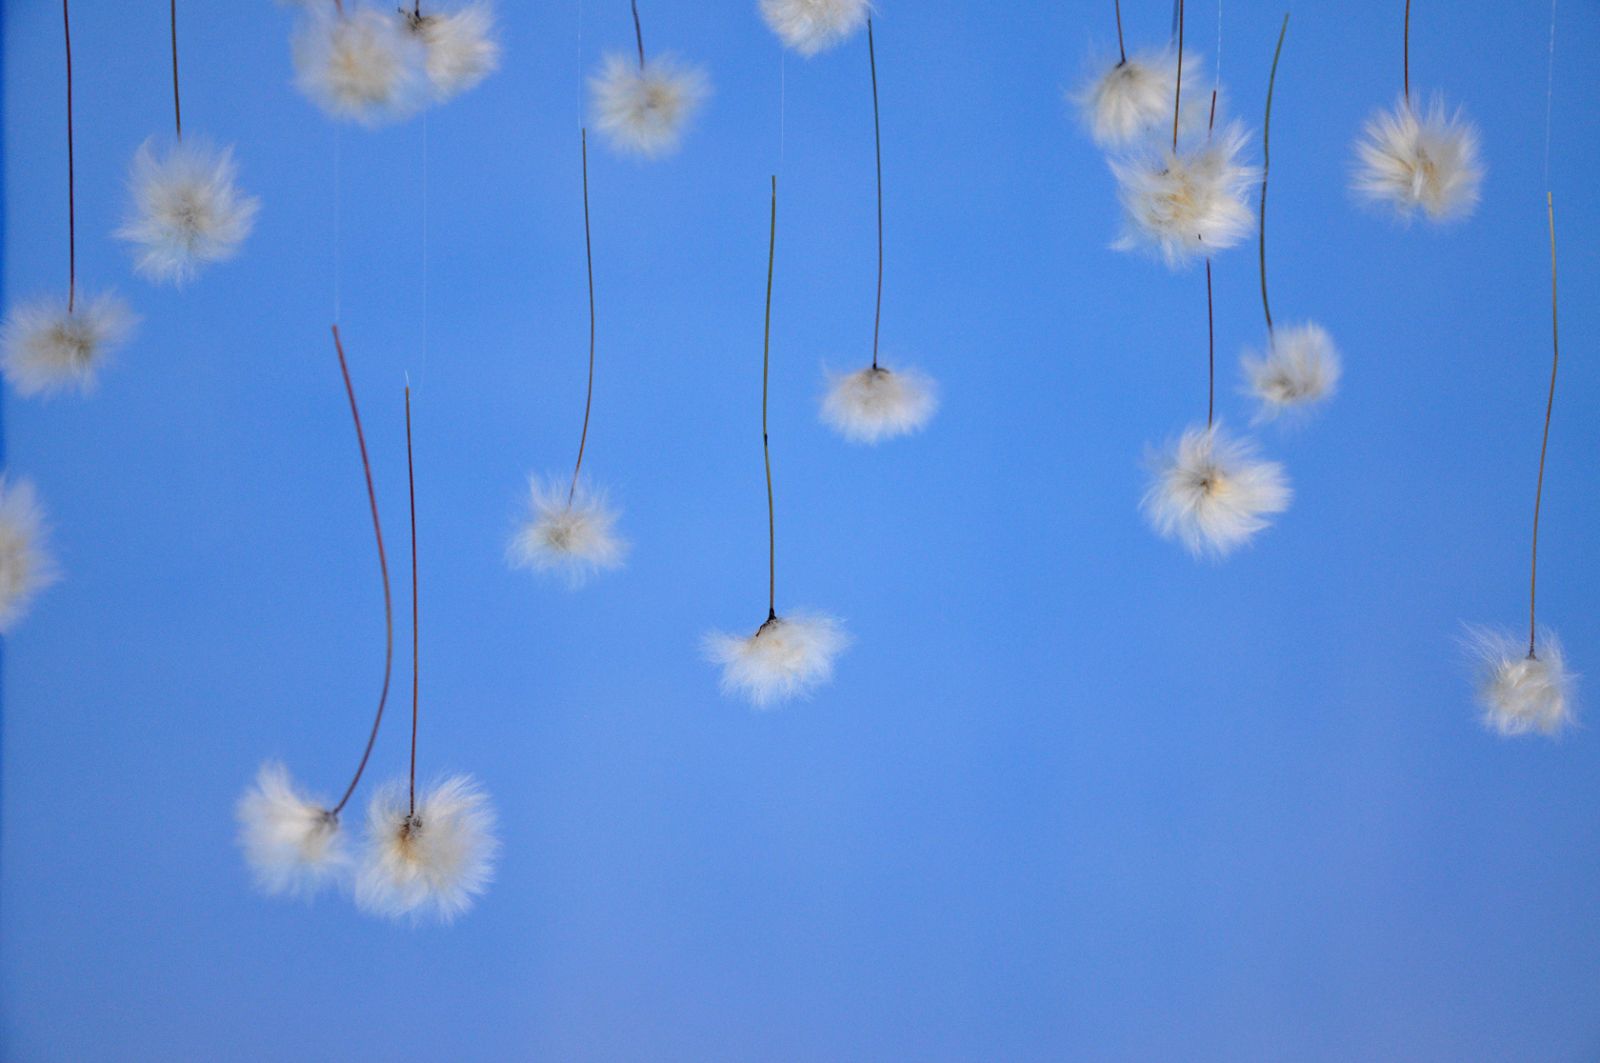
[644,110]
[1130,99]
[1301,368]
[574,536]
[431,863]
[292,844]
[1211,493]
[812,26]
[45,348]
[187,210]
[875,403]
[26,565]
[1190,203]
[460,48]
[1414,161]
[1521,691]
[787,657]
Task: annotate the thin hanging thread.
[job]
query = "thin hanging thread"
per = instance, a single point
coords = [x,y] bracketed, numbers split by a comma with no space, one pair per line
[1177,92]
[1549,92]
[177,106]
[1211,351]
[588,254]
[877,145]
[422,375]
[638,33]
[383,567]
[1122,50]
[338,231]
[1406,54]
[1266,166]
[411,485]
[766,446]
[72,205]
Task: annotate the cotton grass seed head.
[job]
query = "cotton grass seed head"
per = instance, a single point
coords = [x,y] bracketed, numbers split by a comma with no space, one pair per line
[26,564]
[1211,493]
[569,533]
[45,349]
[1300,369]
[293,845]
[459,47]
[362,65]
[787,657]
[875,403]
[1130,98]
[1415,161]
[645,110]
[432,864]
[187,210]
[1188,204]
[812,26]
[1519,692]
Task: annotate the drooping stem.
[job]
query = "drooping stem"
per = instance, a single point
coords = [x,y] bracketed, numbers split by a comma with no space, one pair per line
[411,486]
[177,106]
[383,568]
[638,33]
[766,446]
[1406,54]
[877,146]
[1177,92]
[1266,166]
[588,252]
[72,206]
[1544,447]
[1122,50]
[1211,351]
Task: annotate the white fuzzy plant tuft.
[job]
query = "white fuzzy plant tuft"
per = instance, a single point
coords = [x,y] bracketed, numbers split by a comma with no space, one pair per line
[46,349]
[1211,493]
[1300,369]
[1130,99]
[187,211]
[874,403]
[1187,204]
[813,26]
[574,537]
[459,47]
[787,657]
[293,845]
[26,565]
[362,65]
[433,864]
[644,110]
[1427,162]
[1522,692]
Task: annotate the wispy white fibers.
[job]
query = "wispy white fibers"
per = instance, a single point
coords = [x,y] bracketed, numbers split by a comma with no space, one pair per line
[645,110]
[873,404]
[812,26]
[1188,204]
[292,844]
[1518,691]
[187,210]
[787,657]
[459,46]
[45,349]
[26,565]
[1211,493]
[1427,161]
[574,537]
[431,864]
[1300,369]
[362,65]
[1134,97]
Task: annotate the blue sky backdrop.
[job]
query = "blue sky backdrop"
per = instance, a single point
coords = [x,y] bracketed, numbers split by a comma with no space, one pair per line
[1071,795]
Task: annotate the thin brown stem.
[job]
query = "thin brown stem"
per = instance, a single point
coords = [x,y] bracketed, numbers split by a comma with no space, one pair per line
[177,105]
[1211,351]
[638,33]
[1122,50]
[588,251]
[766,446]
[877,145]
[1177,92]
[72,205]
[1266,166]
[1406,54]
[1544,447]
[383,567]
[411,485]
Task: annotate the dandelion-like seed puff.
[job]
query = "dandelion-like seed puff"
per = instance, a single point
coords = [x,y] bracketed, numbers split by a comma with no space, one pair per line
[361,65]
[50,346]
[1522,692]
[1129,99]
[570,532]
[26,564]
[1189,203]
[1211,493]
[432,861]
[644,109]
[813,26]
[1420,162]
[187,210]
[292,844]
[459,47]
[1299,370]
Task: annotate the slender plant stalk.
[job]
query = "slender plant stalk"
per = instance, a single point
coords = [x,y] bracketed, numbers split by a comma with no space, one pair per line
[1211,351]
[638,33]
[1406,54]
[383,567]
[766,446]
[1177,92]
[588,252]
[177,106]
[72,206]
[1266,167]
[411,485]
[1544,447]
[877,146]
[1122,50]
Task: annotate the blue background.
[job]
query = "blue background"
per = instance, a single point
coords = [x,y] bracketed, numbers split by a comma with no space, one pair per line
[1071,795]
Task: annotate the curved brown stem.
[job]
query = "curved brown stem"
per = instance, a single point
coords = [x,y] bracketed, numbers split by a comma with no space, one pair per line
[72,205]
[588,252]
[177,105]
[1211,351]
[1406,53]
[1122,50]
[411,485]
[1266,166]
[877,146]
[638,33]
[1544,446]
[766,446]
[1177,92]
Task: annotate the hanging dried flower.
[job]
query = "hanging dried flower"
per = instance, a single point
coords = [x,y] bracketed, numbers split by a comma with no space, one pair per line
[187,210]
[1187,204]
[812,26]
[570,531]
[1426,162]
[787,657]
[1522,691]
[293,845]
[1130,99]
[1211,493]
[47,348]
[459,46]
[26,565]
[360,65]
[874,404]
[645,109]
[1300,369]
[431,862]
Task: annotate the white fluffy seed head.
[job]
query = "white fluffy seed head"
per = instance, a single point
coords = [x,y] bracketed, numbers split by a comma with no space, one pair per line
[1301,368]
[1188,204]
[363,65]
[26,565]
[787,657]
[1130,98]
[293,845]
[186,211]
[574,538]
[645,110]
[1211,493]
[433,864]
[812,26]
[459,47]
[45,349]
[873,404]
[1411,161]
[1521,692]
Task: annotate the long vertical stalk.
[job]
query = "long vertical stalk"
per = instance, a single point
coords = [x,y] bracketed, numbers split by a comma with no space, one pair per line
[411,485]
[766,445]
[588,254]
[72,204]
[1544,446]
[877,146]
[1266,166]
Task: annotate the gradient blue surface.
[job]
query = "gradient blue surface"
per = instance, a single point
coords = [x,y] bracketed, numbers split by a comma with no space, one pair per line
[1071,795]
